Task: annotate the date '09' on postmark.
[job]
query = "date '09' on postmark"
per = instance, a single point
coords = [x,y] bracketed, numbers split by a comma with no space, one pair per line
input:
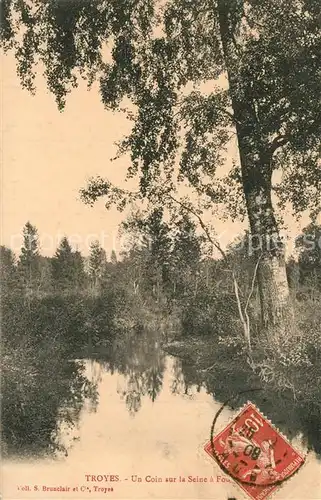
[251,451]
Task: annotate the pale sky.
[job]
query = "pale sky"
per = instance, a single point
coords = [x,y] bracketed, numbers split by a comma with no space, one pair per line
[47,156]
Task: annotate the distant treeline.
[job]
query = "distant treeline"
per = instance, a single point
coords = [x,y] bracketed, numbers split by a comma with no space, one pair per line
[168,264]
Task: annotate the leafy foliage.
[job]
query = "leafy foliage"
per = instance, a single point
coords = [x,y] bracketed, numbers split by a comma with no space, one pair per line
[67,266]
[28,264]
[160,55]
[309,245]
[97,262]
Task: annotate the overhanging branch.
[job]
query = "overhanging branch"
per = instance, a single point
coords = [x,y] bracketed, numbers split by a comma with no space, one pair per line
[203,226]
[243,314]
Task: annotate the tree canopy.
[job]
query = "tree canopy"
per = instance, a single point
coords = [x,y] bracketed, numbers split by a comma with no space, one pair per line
[67,266]
[169,59]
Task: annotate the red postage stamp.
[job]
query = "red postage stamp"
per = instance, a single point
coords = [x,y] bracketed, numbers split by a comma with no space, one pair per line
[254,453]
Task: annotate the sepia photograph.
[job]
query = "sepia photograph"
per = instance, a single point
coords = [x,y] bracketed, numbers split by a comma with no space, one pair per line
[160,249]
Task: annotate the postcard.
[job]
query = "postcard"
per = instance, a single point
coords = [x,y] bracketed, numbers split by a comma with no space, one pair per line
[161,250]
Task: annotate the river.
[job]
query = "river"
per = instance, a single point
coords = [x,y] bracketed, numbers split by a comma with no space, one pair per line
[145,419]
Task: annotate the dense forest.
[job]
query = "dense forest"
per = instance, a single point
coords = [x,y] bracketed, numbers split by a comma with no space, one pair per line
[165,288]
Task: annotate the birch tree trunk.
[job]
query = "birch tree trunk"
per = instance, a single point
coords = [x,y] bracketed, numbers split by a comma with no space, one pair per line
[256,168]
[266,245]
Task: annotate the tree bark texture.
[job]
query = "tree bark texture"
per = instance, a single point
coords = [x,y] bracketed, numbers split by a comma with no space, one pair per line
[256,169]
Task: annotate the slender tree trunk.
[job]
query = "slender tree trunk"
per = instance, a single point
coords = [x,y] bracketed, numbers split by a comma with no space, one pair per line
[256,169]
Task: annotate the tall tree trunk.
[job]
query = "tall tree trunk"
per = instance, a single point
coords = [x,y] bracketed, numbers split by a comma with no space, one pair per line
[267,246]
[255,158]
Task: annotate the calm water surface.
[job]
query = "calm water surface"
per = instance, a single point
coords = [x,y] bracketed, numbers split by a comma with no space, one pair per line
[148,414]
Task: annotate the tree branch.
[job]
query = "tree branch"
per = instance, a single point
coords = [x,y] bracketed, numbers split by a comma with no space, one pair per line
[221,110]
[242,313]
[203,226]
[249,298]
[253,283]
[278,142]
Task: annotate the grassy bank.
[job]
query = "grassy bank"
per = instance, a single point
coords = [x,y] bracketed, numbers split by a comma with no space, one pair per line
[292,363]
[286,373]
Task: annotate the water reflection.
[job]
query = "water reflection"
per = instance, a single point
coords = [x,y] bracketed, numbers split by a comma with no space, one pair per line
[37,407]
[39,417]
[139,358]
[289,415]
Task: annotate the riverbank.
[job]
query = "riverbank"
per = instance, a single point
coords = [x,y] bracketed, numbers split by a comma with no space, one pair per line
[291,367]
[288,391]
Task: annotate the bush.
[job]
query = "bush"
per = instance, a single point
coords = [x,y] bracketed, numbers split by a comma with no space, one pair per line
[293,362]
[204,315]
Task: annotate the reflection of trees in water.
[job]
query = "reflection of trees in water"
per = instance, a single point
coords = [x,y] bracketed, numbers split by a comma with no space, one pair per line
[138,384]
[94,373]
[35,407]
[182,380]
[138,357]
[178,383]
[293,417]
